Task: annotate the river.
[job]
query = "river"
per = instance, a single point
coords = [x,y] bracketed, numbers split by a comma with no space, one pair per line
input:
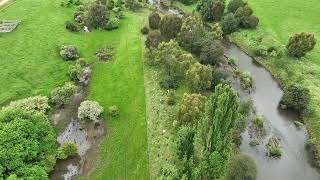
[293,164]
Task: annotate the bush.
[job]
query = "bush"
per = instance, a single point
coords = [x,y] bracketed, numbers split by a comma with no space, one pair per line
[106,53]
[199,77]
[169,82]
[243,11]
[230,24]
[113,23]
[211,54]
[249,22]
[218,77]
[261,51]
[170,26]
[258,121]
[113,111]
[76,72]
[246,80]
[300,44]
[69,52]
[184,142]
[97,15]
[72,27]
[296,98]
[61,95]
[234,5]
[31,104]
[133,5]
[68,149]
[212,10]
[171,98]
[153,39]
[89,111]
[144,30]
[27,144]
[154,20]
[242,167]
[191,109]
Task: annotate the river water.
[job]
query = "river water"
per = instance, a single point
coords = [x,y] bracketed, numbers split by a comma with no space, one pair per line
[293,164]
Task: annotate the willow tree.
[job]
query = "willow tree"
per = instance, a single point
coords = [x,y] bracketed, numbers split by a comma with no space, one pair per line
[214,132]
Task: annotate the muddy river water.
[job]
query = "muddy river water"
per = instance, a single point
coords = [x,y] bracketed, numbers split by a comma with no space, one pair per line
[294,162]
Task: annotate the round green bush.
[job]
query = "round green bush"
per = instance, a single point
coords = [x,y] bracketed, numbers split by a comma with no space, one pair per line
[113,23]
[89,111]
[69,52]
[72,27]
[154,20]
[242,167]
[144,30]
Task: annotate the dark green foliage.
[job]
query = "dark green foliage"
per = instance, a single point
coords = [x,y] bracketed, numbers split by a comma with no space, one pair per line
[169,82]
[212,10]
[171,98]
[235,4]
[106,53]
[27,145]
[184,142]
[242,167]
[69,52]
[153,39]
[187,2]
[71,26]
[61,95]
[76,72]
[211,53]
[113,23]
[154,20]
[170,26]
[199,77]
[244,11]
[133,5]
[218,77]
[69,3]
[300,44]
[230,24]
[144,30]
[168,172]
[191,34]
[249,22]
[97,15]
[214,132]
[191,109]
[68,149]
[110,4]
[295,98]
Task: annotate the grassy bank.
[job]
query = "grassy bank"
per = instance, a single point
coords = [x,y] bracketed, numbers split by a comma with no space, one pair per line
[278,21]
[123,154]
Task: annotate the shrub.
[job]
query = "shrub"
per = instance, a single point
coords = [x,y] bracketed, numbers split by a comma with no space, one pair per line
[212,53]
[254,142]
[191,109]
[243,11]
[153,39]
[296,98]
[258,121]
[246,80]
[61,95]
[68,149]
[218,77]
[212,10]
[300,44]
[27,143]
[170,26]
[171,98]
[275,152]
[113,111]
[110,4]
[242,167]
[72,27]
[234,5]
[30,104]
[261,51]
[249,22]
[89,111]
[133,5]
[169,82]
[76,72]
[199,77]
[184,142]
[230,24]
[144,30]
[106,53]
[154,20]
[217,32]
[96,15]
[113,23]
[69,52]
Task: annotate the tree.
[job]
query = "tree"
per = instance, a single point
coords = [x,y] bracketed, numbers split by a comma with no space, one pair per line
[212,10]
[170,26]
[242,167]
[89,111]
[153,39]
[230,24]
[249,22]
[235,4]
[211,53]
[296,98]
[30,104]
[300,44]
[154,20]
[27,145]
[199,77]
[184,142]
[213,140]
[191,109]
[192,31]
[96,15]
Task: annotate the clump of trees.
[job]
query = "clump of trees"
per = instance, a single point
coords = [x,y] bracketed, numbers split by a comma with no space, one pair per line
[242,167]
[300,44]
[89,111]
[154,20]
[32,104]
[296,98]
[69,52]
[170,26]
[27,143]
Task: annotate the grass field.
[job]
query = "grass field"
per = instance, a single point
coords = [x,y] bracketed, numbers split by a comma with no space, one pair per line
[278,21]
[31,65]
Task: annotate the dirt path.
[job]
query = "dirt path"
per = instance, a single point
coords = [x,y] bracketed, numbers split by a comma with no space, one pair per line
[3,2]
